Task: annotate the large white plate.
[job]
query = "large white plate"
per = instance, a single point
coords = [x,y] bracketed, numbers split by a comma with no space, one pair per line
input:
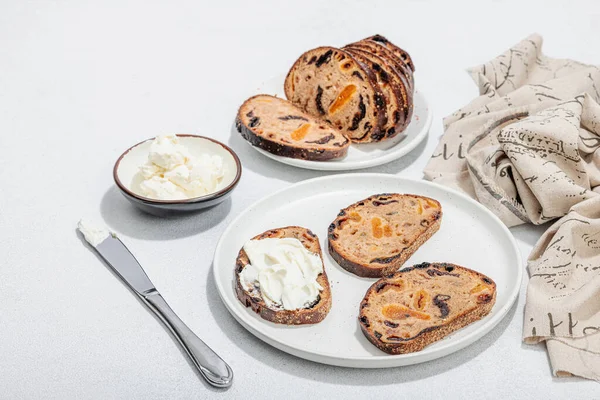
[470,235]
[362,155]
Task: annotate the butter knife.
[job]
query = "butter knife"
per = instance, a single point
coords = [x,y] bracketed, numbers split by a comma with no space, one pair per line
[119,258]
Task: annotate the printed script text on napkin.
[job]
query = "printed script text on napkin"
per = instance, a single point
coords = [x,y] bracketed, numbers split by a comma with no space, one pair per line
[528,148]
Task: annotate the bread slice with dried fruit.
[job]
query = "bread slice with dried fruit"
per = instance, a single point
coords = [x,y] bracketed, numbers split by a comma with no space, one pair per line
[287,274]
[279,127]
[375,236]
[422,304]
[331,84]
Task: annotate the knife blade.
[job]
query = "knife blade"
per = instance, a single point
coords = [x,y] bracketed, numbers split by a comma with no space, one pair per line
[120,259]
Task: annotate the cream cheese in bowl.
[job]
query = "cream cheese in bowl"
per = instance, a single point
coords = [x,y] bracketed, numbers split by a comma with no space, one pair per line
[173,173]
[177,173]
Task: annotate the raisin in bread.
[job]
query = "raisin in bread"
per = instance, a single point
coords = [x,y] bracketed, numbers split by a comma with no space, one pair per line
[279,127]
[251,296]
[331,84]
[417,306]
[393,90]
[375,236]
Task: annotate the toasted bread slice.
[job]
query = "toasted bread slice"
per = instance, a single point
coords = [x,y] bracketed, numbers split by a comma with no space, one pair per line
[251,297]
[422,304]
[281,128]
[375,236]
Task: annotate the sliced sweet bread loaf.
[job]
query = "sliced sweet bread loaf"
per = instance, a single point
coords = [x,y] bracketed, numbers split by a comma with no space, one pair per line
[330,83]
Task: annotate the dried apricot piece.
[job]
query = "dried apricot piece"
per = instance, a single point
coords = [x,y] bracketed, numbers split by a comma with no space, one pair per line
[419,208]
[387,231]
[420,300]
[431,203]
[301,132]
[354,216]
[479,288]
[398,311]
[342,98]
[376,228]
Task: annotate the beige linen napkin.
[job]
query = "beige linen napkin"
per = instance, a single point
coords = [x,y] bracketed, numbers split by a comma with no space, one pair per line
[528,148]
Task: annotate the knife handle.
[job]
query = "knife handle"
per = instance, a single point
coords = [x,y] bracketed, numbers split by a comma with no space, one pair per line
[211,366]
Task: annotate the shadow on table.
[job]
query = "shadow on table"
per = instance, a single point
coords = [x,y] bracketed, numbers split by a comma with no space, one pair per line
[258,163]
[123,217]
[262,352]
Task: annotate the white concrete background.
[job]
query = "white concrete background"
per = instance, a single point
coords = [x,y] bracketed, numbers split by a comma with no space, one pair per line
[81,81]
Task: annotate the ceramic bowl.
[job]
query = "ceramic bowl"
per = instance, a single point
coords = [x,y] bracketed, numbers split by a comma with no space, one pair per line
[127,178]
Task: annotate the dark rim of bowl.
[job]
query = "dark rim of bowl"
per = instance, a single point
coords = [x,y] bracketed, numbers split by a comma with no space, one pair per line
[207,197]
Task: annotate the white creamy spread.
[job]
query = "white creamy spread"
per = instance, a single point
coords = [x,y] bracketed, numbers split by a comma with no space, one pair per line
[93,233]
[284,270]
[172,173]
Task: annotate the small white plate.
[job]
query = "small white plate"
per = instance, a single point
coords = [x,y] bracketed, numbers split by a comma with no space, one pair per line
[361,155]
[470,235]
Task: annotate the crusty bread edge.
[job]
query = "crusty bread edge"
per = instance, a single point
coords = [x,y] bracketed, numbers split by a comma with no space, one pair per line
[383,40]
[367,271]
[433,334]
[288,317]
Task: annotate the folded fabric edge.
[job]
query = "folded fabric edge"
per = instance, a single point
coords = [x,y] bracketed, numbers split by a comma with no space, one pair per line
[568,360]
